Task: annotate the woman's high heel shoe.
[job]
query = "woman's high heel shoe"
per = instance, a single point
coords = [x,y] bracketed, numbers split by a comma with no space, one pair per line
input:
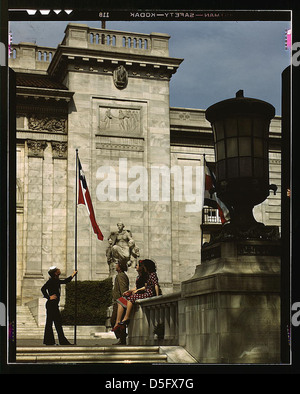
[125,322]
[116,328]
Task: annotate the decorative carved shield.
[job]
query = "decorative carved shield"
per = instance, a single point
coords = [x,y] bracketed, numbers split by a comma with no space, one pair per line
[120,76]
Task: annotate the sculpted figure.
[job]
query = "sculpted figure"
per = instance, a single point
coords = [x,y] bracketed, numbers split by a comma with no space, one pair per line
[121,247]
[110,260]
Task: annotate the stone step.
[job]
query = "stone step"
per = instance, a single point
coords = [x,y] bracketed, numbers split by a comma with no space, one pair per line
[27,327]
[24,316]
[94,354]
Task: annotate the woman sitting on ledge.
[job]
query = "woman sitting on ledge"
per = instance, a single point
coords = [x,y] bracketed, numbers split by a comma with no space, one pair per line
[151,289]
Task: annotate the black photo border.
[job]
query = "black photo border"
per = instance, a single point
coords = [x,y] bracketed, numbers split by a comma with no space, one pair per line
[89,11]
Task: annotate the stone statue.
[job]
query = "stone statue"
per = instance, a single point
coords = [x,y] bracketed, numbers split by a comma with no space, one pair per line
[109,258]
[121,248]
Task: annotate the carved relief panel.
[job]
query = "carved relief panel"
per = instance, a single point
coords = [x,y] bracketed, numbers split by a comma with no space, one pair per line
[47,123]
[119,121]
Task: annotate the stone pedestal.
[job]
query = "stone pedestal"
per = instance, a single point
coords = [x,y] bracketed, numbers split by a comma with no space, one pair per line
[231,305]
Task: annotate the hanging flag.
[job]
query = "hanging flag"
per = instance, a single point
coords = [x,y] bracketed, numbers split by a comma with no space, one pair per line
[210,197]
[85,199]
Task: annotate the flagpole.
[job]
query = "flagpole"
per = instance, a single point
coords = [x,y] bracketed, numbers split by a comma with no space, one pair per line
[76,192]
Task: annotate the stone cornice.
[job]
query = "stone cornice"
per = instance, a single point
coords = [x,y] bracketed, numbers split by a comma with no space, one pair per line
[66,55]
[45,93]
[190,128]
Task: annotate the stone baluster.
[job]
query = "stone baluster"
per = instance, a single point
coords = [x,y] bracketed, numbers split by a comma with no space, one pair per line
[167,321]
[173,321]
[145,322]
[151,323]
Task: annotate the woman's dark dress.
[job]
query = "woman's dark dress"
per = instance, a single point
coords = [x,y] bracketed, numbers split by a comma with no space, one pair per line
[149,291]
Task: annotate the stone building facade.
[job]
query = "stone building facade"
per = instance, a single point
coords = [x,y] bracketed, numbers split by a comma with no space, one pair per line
[106,93]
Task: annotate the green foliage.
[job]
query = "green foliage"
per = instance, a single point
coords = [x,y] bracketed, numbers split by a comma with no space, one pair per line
[93,299]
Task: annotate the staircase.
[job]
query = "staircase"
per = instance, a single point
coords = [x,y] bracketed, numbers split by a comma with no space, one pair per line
[94,348]
[26,324]
[90,354]
[30,333]
[27,327]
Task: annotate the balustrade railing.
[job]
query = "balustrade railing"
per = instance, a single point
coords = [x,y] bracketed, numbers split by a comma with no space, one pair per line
[42,54]
[30,56]
[117,39]
[155,321]
[211,215]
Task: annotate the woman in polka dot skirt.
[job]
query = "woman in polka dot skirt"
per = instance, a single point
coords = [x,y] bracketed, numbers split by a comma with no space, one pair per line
[151,289]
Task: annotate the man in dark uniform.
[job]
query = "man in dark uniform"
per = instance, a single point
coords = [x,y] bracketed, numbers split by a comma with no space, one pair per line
[51,291]
[120,286]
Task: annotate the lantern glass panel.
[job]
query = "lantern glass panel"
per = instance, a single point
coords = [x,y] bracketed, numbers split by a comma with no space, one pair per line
[219,130]
[231,128]
[233,168]
[245,146]
[245,166]
[245,126]
[214,133]
[221,150]
[258,147]
[221,170]
[258,168]
[232,147]
[259,127]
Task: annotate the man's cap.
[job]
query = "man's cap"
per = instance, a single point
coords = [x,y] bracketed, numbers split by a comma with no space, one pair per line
[51,269]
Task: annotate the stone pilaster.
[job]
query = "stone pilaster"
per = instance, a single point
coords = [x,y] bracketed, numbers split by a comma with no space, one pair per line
[59,211]
[160,230]
[33,276]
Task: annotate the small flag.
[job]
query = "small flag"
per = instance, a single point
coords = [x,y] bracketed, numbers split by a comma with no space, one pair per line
[288,39]
[9,44]
[85,199]
[211,199]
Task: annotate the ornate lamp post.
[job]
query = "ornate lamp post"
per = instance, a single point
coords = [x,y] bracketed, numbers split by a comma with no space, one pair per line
[241,130]
[240,267]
